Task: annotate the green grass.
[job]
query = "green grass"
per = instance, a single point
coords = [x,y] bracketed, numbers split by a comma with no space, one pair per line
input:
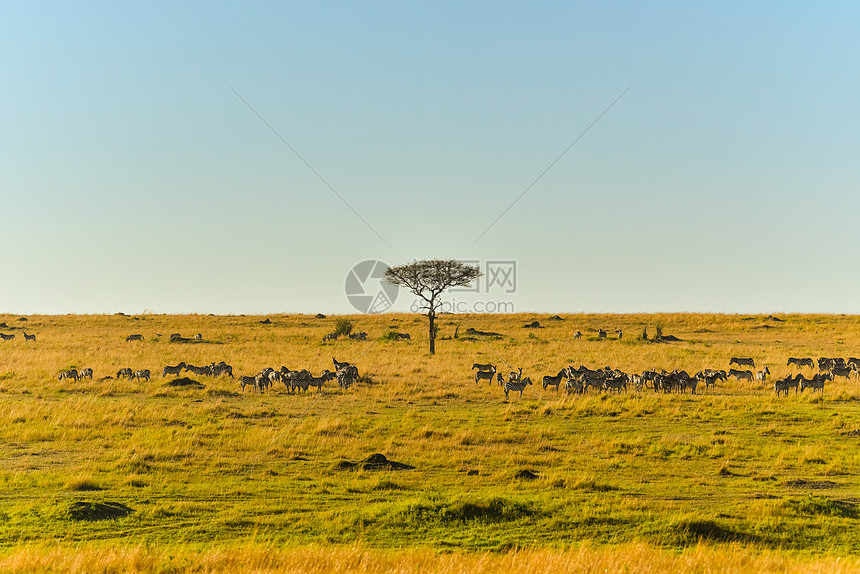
[117,463]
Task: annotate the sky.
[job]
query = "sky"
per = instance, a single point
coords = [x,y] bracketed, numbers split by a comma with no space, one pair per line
[215,157]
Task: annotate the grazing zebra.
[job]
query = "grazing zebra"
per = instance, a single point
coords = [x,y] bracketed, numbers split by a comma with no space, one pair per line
[485,375]
[346,376]
[6,337]
[484,367]
[577,335]
[126,372]
[207,370]
[403,336]
[222,368]
[761,376]
[141,374]
[358,336]
[88,372]
[554,381]
[617,384]
[330,337]
[741,362]
[841,371]
[746,375]
[573,386]
[137,337]
[318,381]
[168,370]
[69,374]
[803,362]
[338,365]
[29,337]
[601,334]
[517,386]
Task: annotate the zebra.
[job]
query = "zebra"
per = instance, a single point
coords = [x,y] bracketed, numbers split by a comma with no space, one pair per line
[198,337]
[617,384]
[573,386]
[601,334]
[88,372]
[246,380]
[741,362]
[515,376]
[488,375]
[619,333]
[816,383]
[517,386]
[126,372]
[29,337]
[358,336]
[577,335]
[484,367]
[592,380]
[781,385]
[207,370]
[403,336]
[841,371]
[554,381]
[746,375]
[318,381]
[803,362]
[136,337]
[69,374]
[853,361]
[338,365]
[330,337]
[761,376]
[222,368]
[346,376]
[168,370]
[6,337]
[710,381]
[141,374]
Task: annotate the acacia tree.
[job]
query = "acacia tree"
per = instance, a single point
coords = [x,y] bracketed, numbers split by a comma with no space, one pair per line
[428,279]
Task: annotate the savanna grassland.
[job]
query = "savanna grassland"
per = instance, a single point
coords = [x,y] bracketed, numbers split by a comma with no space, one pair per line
[125,476]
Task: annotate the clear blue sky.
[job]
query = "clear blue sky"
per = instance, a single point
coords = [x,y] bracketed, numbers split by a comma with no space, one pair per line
[132,178]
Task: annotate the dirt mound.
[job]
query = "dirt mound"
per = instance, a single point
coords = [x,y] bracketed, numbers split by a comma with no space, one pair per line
[525,475]
[774,319]
[473,331]
[266,322]
[319,316]
[88,510]
[554,318]
[532,325]
[670,338]
[379,462]
[185,382]
[815,484]
[764,327]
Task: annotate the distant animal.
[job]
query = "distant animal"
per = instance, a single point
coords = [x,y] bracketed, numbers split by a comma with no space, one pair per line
[358,336]
[141,374]
[29,337]
[168,370]
[577,335]
[68,374]
[318,381]
[246,380]
[220,369]
[485,376]
[330,337]
[200,371]
[126,372]
[6,337]
[804,362]
[199,336]
[484,367]
[136,337]
[601,334]
[742,362]
[761,376]
[619,333]
[517,386]
[88,373]
[515,376]
[403,336]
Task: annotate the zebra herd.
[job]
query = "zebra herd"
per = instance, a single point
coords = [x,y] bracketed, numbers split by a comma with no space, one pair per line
[294,381]
[581,379]
[362,336]
[10,336]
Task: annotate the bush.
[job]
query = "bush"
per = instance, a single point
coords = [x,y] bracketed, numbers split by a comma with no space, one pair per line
[343,327]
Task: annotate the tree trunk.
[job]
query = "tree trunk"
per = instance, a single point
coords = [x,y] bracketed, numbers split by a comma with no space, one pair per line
[431,315]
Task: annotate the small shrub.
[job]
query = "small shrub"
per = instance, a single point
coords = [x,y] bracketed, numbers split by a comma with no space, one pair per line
[343,327]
